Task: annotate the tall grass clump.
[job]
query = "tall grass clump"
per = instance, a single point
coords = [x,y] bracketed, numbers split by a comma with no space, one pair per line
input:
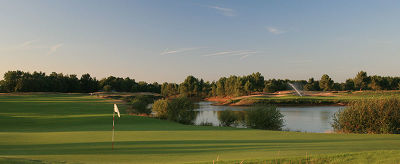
[227,117]
[380,116]
[264,117]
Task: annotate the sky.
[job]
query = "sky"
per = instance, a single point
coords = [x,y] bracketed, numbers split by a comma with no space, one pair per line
[167,40]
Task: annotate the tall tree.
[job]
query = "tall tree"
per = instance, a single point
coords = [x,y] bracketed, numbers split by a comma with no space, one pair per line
[239,89]
[11,79]
[248,87]
[379,83]
[361,80]
[257,82]
[213,91]
[221,87]
[326,83]
[190,87]
[88,84]
[349,85]
[312,85]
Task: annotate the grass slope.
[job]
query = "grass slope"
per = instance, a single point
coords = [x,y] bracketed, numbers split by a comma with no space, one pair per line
[76,128]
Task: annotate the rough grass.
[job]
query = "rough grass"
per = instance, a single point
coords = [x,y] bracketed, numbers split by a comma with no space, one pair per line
[65,128]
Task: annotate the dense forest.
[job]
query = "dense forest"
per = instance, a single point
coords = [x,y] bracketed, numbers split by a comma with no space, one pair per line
[19,81]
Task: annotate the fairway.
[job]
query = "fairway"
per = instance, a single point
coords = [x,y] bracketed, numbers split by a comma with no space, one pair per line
[76,128]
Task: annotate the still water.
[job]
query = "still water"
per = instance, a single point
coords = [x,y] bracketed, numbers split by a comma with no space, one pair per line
[315,119]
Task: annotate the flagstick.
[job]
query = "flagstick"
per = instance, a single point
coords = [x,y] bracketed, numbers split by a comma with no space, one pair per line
[113,133]
[115,111]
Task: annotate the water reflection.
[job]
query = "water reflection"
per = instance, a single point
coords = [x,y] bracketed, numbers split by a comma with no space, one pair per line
[306,119]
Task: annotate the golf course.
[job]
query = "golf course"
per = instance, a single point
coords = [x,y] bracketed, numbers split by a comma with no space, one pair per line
[76,128]
[199,82]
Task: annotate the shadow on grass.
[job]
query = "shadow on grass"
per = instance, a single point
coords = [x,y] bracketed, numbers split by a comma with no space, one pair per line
[98,123]
[18,160]
[167,147]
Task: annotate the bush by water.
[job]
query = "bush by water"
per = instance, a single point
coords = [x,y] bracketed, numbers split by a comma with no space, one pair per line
[264,117]
[180,110]
[380,116]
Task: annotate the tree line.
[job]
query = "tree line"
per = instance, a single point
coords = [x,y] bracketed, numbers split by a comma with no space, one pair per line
[360,82]
[244,85]
[19,81]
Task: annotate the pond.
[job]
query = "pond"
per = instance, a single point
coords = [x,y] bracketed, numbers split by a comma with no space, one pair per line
[315,119]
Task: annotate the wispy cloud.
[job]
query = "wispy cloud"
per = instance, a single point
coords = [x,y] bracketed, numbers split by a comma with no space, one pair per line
[232,53]
[54,48]
[27,43]
[275,30]
[168,52]
[222,53]
[224,11]
[245,53]
[242,53]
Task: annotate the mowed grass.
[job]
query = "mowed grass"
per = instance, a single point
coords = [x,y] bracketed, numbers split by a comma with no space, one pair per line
[76,128]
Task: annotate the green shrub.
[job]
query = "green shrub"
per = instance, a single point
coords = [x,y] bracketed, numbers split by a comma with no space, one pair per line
[227,117]
[181,110]
[369,116]
[148,99]
[140,107]
[160,107]
[140,103]
[264,117]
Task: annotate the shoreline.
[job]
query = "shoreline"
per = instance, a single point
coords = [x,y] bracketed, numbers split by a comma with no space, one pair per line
[218,101]
[283,105]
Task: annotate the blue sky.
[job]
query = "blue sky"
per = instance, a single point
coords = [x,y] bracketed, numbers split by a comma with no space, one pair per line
[167,40]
